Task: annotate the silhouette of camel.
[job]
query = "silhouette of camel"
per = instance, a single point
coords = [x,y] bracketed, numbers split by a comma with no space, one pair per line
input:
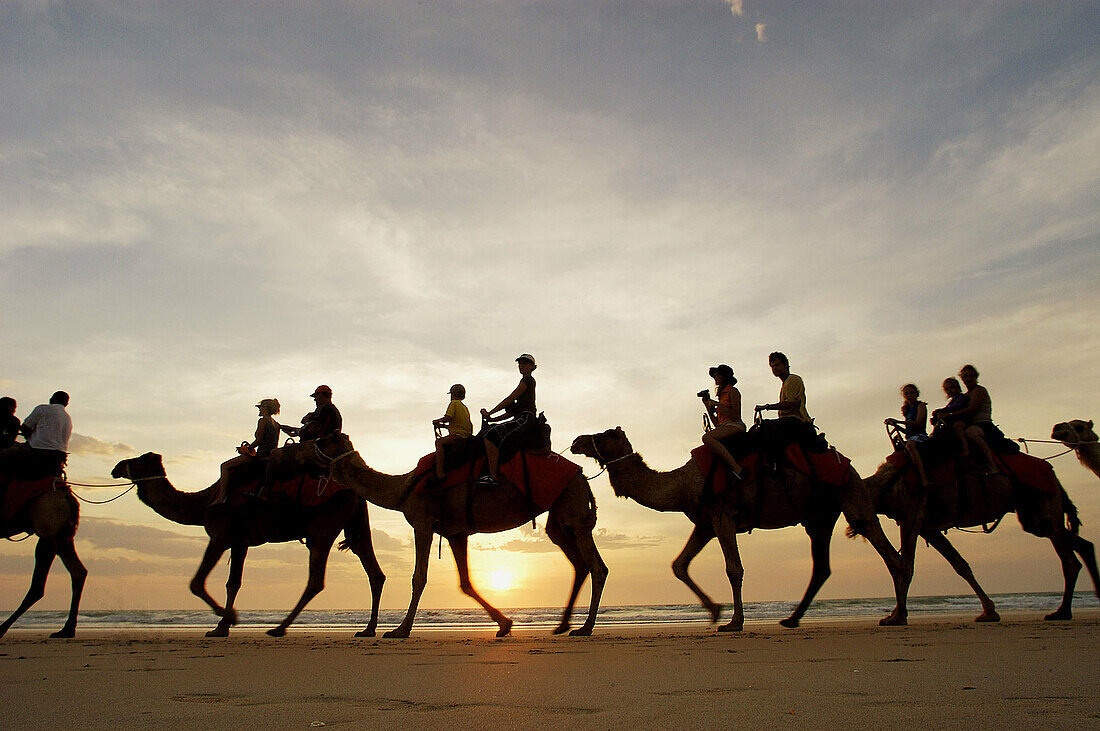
[974,500]
[569,525]
[261,521]
[789,498]
[53,518]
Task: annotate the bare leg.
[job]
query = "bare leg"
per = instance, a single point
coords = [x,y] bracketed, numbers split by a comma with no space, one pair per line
[960,432]
[67,552]
[223,480]
[422,538]
[821,534]
[214,551]
[711,439]
[939,542]
[726,530]
[43,558]
[596,566]
[232,585]
[974,434]
[700,536]
[458,548]
[914,455]
[1070,568]
[492,455]
[580,569]
[318,560]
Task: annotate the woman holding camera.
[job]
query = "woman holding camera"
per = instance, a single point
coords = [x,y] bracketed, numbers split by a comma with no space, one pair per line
[726,415]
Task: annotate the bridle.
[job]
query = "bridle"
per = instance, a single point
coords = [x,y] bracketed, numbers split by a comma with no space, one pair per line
[602,462]
[330,461]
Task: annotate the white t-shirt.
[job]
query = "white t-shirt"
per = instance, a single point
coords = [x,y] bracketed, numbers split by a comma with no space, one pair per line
[50,427]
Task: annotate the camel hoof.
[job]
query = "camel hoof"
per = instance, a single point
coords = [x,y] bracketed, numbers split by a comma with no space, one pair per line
[505,628]
[398,633]
[1059,616]
[561,628]
[369,632]
[64,633]
[893,621]
[277,632]
[218,631]
[988,617]
[230,616]
[581,632]
[732,626]
[789,622]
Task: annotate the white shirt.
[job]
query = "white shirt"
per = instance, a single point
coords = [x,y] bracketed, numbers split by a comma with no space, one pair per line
[50,427]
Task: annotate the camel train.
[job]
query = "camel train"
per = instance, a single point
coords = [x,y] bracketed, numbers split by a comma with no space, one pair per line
[330,485]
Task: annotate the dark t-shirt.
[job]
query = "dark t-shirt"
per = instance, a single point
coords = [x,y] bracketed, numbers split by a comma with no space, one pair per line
[9,430]
[322,422]
[526,401]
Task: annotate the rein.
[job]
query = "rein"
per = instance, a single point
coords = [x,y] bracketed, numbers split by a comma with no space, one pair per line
[133,482]
[1073,448]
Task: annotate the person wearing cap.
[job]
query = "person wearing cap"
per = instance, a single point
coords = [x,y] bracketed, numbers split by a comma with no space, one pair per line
[266,441]
[519,410]
[458,424]
[323,421]
[726,414]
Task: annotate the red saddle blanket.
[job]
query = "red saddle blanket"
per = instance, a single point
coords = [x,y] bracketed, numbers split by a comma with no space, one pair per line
[1023,468]
[303,489]
[548,475]
[829,466]
[21,492]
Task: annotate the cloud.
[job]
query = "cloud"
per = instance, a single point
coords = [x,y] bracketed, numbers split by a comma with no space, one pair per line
[760,32]
[82,444]
[736,7]
[605,541]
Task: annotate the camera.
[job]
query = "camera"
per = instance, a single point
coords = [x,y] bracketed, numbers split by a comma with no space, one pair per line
[705,393]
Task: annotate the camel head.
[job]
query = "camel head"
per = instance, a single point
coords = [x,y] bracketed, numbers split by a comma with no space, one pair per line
[322,452]
[147,465]
[603,447]
[1073,432]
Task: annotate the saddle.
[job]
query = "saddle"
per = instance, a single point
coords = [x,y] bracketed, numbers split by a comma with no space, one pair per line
[308,487]
[535,439]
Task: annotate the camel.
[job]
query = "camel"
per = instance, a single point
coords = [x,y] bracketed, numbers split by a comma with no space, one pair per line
[262,521]
[1079,436]
[52,517]
[982,501]
[789,498]
[457,514]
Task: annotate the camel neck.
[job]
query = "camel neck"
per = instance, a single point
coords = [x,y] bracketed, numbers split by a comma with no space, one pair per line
[378,488]
[185,508]
[677,491]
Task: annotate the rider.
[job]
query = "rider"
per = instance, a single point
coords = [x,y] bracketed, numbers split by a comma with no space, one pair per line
[457,421]
[949,417]
[726,413]
[9,422]
[267,439]
[323,421]
[519,406]
[47,430]
[979,410]
[794,421]
[914,424]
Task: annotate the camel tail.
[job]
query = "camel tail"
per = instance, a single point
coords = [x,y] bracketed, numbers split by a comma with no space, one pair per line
[850,532]
[1073,521]
[355,528]
[74,512]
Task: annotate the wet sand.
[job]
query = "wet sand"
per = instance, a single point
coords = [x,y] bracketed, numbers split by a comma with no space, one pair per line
[938,672]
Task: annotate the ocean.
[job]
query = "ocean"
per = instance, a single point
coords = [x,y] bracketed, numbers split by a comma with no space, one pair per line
[547,617]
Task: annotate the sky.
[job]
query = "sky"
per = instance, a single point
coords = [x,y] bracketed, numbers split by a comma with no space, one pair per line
[206,204]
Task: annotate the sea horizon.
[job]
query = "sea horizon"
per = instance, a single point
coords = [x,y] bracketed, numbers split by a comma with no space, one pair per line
[475,618]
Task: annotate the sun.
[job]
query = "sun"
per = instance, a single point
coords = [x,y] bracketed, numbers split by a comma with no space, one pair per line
[502,579]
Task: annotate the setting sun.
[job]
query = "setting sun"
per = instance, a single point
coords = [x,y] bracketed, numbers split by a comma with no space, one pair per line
[501,579]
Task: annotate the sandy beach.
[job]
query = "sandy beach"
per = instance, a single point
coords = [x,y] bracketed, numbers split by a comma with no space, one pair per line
[937,672]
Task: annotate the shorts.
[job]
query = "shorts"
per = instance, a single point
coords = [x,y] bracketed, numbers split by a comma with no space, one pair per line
[497,433]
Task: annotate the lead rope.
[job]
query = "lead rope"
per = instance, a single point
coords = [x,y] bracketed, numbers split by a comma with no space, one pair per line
[1023,441]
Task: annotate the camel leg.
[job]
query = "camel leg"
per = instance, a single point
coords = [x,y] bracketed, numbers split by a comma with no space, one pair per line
[459,548]
[1070,568]
[726,530]
[939,542]
[232,585]
[43,558]
[422,539]
[362,547]
[587,547]
[700,536]
[580,569]
[871,529]
[318,561]
[67,552]
[821,535]
[214,551]
[1088,554]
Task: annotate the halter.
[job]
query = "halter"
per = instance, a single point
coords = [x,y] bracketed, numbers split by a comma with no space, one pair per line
[133,482]
[602,463]
[330,461]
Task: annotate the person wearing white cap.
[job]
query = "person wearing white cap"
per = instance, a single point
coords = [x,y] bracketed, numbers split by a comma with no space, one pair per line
[519,410]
